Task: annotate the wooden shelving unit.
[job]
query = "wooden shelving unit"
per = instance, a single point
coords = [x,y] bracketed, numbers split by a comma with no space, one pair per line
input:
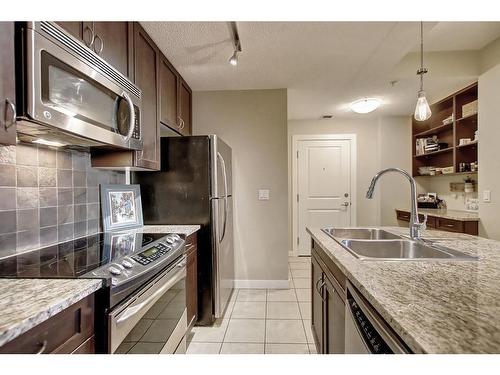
[461,127]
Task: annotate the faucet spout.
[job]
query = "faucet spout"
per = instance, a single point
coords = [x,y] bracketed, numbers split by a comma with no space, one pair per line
[415,225]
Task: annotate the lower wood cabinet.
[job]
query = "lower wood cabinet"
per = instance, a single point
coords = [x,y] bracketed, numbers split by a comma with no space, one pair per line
[192,278]
[70,331]
[448,225]
[327,304]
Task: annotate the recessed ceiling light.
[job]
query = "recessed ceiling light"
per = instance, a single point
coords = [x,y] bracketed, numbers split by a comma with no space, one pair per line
[365,105]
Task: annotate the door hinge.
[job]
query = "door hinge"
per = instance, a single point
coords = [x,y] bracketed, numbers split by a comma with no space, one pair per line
[298,240]
[297,154]
[297,197]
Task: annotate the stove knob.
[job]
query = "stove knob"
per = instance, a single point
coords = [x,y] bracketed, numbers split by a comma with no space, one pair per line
[176,237]
[114,281]
[114,270]
[170,240]
[127,263]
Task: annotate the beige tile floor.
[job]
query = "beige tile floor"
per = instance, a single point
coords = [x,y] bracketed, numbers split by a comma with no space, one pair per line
[260,321]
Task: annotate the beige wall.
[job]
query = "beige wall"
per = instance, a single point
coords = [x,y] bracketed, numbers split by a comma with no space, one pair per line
[381,143]
[254,124]
[489,136]
[395,151]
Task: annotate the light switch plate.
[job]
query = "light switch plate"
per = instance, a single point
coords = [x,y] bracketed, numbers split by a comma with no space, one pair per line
[486,196]
[263,194]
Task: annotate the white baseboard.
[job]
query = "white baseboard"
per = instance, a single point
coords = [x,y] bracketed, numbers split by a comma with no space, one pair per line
[262,284]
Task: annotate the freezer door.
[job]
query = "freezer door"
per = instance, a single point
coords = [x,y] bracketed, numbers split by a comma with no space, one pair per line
[223,253]
[221,168]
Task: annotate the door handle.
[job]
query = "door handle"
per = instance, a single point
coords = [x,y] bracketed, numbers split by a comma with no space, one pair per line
[132,116]
[101,44]
[345,204]
[223,164]
[90,32]
[12,106]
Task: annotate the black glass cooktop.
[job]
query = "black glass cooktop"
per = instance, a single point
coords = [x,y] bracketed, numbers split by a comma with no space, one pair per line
[74,258]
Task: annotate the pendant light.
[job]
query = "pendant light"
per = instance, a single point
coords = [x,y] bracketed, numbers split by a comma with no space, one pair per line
[233,60]
[422,110]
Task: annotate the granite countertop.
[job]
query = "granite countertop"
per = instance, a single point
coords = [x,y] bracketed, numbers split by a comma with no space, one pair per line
[179,229]
[25,303]
[438,306]
[446,214]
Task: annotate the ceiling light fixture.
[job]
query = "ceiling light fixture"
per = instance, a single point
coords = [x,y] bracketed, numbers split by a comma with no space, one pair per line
[233,60]
[365,105]
[422,109]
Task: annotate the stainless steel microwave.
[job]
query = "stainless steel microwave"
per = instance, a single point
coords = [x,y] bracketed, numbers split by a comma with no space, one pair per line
[69,96]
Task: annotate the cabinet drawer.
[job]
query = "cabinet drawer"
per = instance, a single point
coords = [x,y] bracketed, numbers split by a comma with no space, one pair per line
[63,333]
[449,225]
[403,215]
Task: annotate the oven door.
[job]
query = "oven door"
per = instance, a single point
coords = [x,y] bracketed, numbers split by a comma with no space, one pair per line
[154,320]
[75,91]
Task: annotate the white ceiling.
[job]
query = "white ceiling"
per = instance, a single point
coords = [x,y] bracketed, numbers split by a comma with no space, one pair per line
[324,65]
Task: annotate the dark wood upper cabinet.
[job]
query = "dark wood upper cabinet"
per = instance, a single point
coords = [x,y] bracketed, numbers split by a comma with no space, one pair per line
[113,42]
[75,28]
[7,84]
[185,108]
[168,95]
[146,61]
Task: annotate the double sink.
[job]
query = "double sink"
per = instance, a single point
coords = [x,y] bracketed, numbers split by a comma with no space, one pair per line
[378,244]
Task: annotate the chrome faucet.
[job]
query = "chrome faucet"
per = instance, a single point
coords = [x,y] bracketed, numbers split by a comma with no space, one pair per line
[416,227]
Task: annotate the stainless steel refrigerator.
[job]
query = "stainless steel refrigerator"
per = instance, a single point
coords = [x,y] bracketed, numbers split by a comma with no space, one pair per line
[194,186]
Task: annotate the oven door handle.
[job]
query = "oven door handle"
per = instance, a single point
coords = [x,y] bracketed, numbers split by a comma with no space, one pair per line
[132,117]
[132,310]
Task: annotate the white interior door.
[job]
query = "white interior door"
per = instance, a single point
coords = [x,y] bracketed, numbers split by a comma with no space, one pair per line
[323,187]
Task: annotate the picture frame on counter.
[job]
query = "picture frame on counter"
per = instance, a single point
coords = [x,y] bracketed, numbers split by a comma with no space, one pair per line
[121,207]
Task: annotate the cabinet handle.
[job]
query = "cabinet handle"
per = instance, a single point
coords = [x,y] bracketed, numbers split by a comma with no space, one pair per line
[183,124]
[12,106]
[179,122]
[101,44]
[43,346]
[89,31]
[316,285]
[321,290]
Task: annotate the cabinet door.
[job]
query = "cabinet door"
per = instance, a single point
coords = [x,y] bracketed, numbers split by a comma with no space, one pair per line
[334,319]
[168,95]
[185,107]
[7,84]
[317,304]
[146,61]
[112,44]
[75,28]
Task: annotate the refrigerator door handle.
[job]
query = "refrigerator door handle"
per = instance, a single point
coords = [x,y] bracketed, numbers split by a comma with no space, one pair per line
[223,164]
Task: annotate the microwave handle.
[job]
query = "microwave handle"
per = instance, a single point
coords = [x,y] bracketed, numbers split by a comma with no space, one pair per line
[132,117]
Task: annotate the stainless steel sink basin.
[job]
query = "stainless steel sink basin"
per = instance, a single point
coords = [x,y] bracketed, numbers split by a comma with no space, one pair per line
[401,250]
[360,234]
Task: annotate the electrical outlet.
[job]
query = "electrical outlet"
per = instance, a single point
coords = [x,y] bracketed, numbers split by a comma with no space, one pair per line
[263,194]
[486,196]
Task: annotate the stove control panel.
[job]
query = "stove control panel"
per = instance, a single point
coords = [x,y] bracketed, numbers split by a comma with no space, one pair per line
[128,267]
[153,253]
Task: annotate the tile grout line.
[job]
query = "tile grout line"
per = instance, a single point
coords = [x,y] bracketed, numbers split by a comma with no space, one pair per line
[229,320]
[302,318]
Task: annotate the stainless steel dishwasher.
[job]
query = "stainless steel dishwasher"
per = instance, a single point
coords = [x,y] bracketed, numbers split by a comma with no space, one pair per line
[365,331]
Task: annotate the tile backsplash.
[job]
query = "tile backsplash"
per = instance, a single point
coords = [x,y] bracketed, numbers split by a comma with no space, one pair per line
[48,196]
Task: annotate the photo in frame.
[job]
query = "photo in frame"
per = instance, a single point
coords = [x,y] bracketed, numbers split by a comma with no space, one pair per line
[121,207]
